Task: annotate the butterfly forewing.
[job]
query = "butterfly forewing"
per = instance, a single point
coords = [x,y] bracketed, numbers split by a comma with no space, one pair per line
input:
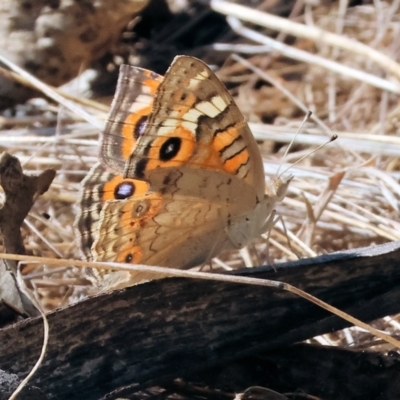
[132,104]
[195,121]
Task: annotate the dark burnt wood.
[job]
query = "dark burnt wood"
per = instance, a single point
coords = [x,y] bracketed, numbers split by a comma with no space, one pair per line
[168,328]
[327,373]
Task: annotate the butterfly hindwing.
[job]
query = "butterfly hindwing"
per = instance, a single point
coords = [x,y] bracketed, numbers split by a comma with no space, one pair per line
[100,187]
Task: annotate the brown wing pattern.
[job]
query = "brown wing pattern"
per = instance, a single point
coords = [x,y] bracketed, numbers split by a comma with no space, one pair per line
[195,122]
[132,104]
[99,187]
[187,175]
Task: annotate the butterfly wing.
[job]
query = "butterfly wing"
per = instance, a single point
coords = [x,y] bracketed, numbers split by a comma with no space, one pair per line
[194,121]
[192,179]
[169,232]
[128,115]
[169,229]
[99,187]
[123,220]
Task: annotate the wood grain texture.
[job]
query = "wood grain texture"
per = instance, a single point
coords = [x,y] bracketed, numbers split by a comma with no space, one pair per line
[171,327]
[328,373]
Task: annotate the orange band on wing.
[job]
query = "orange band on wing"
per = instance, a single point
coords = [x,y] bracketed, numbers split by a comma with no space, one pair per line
[128,130]
[224,143]
[132,255]
[152,84]
[141,187]
[207,158]
[224,139]
[233,164]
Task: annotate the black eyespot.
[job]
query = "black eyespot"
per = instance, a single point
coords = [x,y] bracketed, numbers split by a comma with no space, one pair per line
[124,190]
[170,148]
[140,127]
[128,257]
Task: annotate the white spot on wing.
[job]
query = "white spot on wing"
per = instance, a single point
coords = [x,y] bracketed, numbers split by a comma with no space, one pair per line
[220,103]
[191,126]
[192,115]
[173,115]
[140,102]
[165,130]
[203,74]
[199,77]
[170,123]
[207,108]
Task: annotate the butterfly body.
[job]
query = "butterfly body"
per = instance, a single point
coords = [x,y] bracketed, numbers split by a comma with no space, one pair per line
[180,176]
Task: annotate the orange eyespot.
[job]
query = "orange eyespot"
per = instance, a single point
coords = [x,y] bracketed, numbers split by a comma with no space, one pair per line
[132,255]
[171,150]
[119,188]
[132,128]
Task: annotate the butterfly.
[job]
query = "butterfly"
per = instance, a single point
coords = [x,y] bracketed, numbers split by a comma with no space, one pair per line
[180,175]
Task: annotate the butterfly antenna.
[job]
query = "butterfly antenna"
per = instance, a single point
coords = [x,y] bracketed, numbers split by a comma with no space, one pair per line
[331,139]
[305,119]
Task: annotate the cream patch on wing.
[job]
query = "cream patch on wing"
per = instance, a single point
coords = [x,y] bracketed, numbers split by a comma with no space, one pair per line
[209,108]
[166,130]
[199,77]
[212,108]
[141,101]
[192,115]
[220,103]
[190,126]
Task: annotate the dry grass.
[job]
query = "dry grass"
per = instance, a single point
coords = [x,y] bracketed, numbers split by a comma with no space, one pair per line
[344,196]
